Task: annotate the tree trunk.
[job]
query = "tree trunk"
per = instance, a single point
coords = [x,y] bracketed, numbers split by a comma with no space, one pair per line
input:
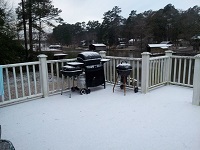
[30,26]
[40,37]
[24,24]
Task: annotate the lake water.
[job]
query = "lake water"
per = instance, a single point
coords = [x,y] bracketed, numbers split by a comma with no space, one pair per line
[124,53]
[117,53]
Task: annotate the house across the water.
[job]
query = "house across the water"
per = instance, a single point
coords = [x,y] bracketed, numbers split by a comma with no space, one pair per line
[159,48]
[97,47]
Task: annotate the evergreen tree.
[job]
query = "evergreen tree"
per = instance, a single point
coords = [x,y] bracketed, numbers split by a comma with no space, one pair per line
[40,15]
[10,50]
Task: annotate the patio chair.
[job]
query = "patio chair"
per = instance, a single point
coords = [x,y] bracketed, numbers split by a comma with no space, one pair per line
[5,144]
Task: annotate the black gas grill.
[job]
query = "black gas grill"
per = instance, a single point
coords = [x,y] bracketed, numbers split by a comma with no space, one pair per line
[93,67]
[89,71]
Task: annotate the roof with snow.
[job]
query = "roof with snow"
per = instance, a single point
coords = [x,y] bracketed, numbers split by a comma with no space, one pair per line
[166,42]
[57,46]
[196,37]
[99,44]
[163,46]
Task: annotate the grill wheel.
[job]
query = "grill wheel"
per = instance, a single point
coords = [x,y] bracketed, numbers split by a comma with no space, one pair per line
[82,91]
[122,86]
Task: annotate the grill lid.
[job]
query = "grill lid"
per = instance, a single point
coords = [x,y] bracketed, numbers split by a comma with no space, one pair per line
[124,69]
[124,66]
[71,71]
[70,68]
[88,56]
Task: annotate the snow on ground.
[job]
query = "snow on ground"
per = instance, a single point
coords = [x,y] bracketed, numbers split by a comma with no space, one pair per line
[163,119]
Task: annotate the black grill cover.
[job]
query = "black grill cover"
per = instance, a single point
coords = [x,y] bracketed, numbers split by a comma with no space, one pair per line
[89,58]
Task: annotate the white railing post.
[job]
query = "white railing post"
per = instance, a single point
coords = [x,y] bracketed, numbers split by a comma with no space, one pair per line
[196,85]
[103,54]
[168,66]
[145,72]
[44,74]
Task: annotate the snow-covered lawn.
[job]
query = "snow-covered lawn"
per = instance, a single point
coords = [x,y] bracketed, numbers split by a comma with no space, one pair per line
[163,119]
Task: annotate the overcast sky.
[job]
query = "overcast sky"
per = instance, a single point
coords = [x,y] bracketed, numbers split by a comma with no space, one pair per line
[84,10]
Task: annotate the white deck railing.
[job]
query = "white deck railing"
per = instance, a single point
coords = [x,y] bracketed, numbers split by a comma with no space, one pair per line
[21,81]
[42,78]
[111,74]
[182,70]
[157,71]
[55,76]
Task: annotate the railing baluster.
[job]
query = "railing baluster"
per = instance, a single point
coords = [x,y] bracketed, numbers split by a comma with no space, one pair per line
[52,77]
[189,71]
[150,72]
[161,70]
[28,78]
[111,70]
[156,71]
[138,72]
[22,81]
[179,71]
[133,71]
[57,73]
[34,80]
[164,69]
[107,72]
[175,65]
[184,70]
[153,70]
[8,84]
[40,71]
[114,70]
[15,83]
[129,75]
[165,61]
[118,61]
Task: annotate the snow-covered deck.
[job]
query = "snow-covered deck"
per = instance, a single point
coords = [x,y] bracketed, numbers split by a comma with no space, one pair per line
[163,119]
